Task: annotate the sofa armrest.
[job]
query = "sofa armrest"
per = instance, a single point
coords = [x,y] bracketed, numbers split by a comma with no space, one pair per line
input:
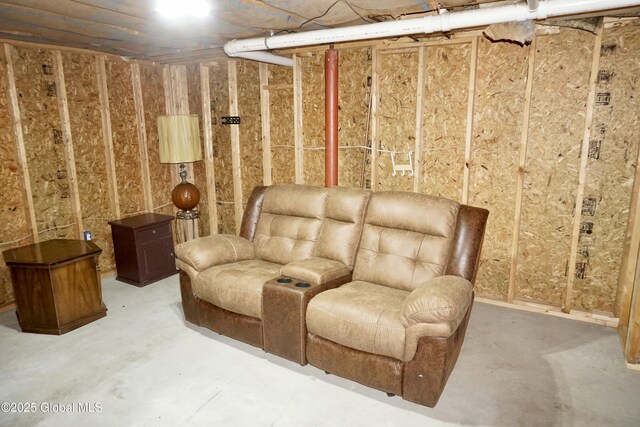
[213,250]
[315,270]
[435,308]
[443,299]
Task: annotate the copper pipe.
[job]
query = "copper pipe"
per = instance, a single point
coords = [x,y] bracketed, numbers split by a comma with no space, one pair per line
[331,117]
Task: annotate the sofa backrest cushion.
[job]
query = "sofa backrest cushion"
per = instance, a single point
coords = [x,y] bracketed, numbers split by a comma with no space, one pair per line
[407,239]
[342,224]
[289,223]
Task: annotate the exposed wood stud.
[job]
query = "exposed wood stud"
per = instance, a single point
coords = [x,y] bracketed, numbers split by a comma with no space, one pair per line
[375,121]
[67,141]
[470,109]
[168,99]
[632,345]
[235,143]
[584,158]
[14,109]
[297,114]
[180,96]
[208,149]
[181,99]
[331,61]
[175,89]
[417,157]
[106,134]
[265,112]
[142,136]
[630,255]
[552,311]
[182,89]
[521,172]
[169,110]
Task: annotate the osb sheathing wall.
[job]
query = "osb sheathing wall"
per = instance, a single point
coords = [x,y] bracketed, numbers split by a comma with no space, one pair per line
[125,138]
[398,77]
[14,230]
[354,98]
[154,106]
[83,97]
[497,121]
[43,141]
[280,88]
[250,132]
[612,162]
[553,164]
[445,95]
[41,132]
[536,130]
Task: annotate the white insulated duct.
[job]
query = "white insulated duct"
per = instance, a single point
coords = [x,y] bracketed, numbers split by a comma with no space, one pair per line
[254,48]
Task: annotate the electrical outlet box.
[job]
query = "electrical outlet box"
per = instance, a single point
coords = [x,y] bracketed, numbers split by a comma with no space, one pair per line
[230,120]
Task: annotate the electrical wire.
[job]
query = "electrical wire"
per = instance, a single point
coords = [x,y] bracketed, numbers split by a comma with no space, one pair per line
[324,14]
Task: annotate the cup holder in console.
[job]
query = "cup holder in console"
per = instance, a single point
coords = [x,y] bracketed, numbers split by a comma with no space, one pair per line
[284,280]
[302,285]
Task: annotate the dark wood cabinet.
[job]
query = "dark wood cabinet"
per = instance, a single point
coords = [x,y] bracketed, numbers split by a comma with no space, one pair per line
[56,284]
[143,246]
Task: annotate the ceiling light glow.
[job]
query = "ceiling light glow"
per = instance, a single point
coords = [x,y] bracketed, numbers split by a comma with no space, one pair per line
[176,9]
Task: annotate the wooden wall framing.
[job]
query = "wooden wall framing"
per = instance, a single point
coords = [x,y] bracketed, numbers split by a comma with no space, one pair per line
[142,136]
[208,149]
[14,109]
[522,164]
[298,120]
[67,141]
[511,107]
[235,144]
[265,114]
[61,106]
[101,75]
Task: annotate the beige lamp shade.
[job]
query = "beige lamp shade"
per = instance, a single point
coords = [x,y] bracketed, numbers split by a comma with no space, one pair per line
[179,137]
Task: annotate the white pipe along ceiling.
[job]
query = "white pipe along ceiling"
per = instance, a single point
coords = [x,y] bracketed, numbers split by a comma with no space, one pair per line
[254,48]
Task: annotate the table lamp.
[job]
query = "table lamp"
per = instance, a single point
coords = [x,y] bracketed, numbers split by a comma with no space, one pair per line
[179,137]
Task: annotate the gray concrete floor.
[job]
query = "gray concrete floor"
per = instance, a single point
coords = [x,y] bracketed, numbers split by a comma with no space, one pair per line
[144,366]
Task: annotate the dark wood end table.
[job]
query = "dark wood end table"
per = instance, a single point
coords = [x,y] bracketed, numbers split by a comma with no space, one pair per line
[56,285]
[143,246]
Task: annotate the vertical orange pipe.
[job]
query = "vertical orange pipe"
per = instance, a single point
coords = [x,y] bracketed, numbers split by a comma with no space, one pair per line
[331,117]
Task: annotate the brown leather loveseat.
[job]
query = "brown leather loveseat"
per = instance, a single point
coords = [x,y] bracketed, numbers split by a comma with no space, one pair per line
[373,287]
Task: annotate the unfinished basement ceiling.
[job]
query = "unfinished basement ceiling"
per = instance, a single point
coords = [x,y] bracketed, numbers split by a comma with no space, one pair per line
[132,28]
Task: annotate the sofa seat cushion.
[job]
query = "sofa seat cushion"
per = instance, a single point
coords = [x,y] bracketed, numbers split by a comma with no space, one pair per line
[236,287]
[360,315]
[316,270]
